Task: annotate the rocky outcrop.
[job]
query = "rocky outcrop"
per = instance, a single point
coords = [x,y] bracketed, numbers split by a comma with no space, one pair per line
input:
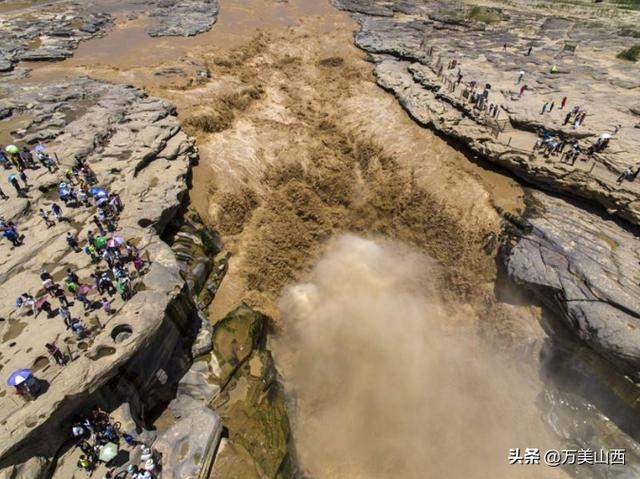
[586,268]
[34,468]
[413,44]
[136,148]
[575,260]
[182,17]
[189,446]
[47,34]
[251,401]
[53,33]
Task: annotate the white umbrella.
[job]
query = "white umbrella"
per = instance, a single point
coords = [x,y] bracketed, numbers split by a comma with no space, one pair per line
[605,136]
[108,452]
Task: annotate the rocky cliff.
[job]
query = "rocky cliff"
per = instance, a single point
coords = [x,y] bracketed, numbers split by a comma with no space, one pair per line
[431,55]
[143,353]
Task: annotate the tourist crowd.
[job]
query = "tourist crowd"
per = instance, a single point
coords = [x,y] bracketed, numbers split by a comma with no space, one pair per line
[563,146]
[101,442]
[114,260]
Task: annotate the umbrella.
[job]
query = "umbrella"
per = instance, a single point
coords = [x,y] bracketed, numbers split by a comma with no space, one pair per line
[100,241]
[12,149]
[18,377]
[115,241]
[108,452]
[101,201]
[605,136]
[12,176]
[84,288]
[98,192]
[39,148]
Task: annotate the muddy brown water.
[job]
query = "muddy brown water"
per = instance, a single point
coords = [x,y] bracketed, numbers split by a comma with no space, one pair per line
[361,233]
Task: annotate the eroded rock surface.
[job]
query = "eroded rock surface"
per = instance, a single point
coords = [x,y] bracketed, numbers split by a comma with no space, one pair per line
[586,268]
[50,33]
[251,401]
[137,149]
[413,44]
[182,17]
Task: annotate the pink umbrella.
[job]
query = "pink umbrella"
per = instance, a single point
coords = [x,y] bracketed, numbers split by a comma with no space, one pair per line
[115,241]
[85,288]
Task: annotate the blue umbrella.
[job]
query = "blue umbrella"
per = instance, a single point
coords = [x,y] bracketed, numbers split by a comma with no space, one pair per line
[19,376]
[39,148]
[98,192]
[13,176]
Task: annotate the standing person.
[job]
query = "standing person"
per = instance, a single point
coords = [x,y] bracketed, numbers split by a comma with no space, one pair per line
[65,313]
[72,277]
[106,221]
[57,212]
[106,284]
[27,157]
[567,118]
[520,77]
[3,195]
[4,160]
[583,115]
[58,292]
[576,122]
[12,235]
[563,103]
[553,103]
[45,216]
[544,108]
[522,90]
[13,179]
[83,197]
[25,180]
[106,305]
[72,241]
[55,352]
[529,50]
[78,329]
[80,296]
[97,222]
[91,251]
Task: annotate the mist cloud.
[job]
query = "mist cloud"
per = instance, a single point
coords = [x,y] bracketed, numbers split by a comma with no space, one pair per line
[389,382]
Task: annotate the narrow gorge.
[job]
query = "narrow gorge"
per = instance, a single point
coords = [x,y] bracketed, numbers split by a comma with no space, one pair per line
[350,269]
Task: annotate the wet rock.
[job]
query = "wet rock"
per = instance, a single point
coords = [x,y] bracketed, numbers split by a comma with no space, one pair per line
[585,267]
[182,17]
[5,64]
[48,34]
[251,402]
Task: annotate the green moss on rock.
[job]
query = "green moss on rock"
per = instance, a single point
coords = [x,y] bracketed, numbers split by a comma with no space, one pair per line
[252,402]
